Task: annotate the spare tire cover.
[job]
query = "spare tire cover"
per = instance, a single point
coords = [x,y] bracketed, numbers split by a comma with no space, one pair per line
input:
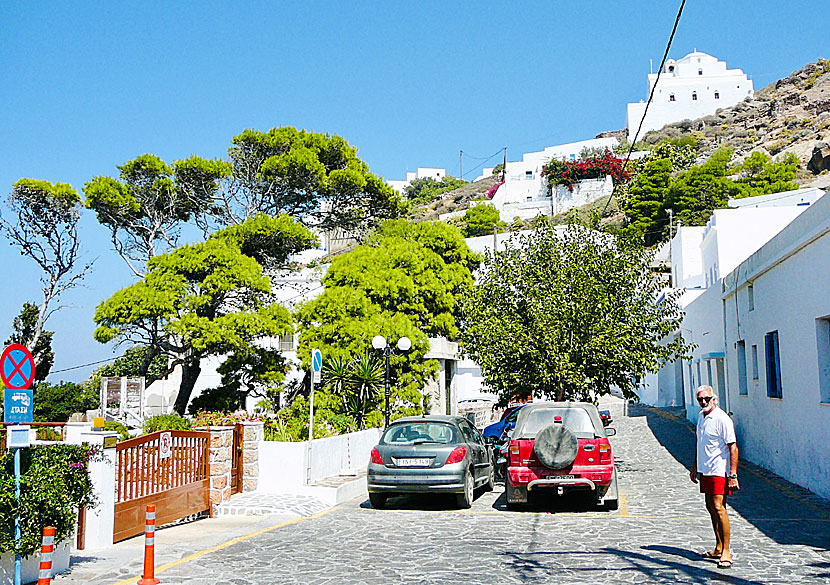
[556,446]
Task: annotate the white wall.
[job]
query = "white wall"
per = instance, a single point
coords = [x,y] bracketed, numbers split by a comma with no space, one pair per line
[717,87]
[282,465]
[791,290]
[422,173]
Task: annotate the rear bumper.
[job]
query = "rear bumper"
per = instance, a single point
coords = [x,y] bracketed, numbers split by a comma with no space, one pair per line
[382,479]
[594,478]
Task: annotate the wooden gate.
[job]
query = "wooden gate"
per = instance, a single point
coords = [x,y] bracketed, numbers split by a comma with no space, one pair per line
[175,479]
[236,458]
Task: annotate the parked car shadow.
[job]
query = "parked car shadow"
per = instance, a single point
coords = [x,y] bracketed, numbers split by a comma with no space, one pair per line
[419,502]
[548,502]
[783,511]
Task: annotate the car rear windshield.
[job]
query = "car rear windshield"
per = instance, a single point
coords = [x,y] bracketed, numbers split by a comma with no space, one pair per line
[412,433]
[576,419]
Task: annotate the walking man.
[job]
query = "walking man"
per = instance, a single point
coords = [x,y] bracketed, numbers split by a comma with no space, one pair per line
[716,462]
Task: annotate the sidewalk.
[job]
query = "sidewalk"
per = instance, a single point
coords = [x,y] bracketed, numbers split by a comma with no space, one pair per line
[124,561]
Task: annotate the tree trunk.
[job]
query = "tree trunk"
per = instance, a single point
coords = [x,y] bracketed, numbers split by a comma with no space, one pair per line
[190,373]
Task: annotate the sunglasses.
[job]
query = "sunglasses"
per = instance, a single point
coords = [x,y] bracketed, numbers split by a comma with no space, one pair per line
[704,399]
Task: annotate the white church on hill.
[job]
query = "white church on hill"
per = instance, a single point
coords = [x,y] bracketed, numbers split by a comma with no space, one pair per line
[690,88]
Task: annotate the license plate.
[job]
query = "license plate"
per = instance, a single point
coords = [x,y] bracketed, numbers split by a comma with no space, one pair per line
[417,462]
[561,477]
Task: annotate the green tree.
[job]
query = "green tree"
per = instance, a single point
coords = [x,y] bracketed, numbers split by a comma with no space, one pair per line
[23,332]
[480,220]
[201,300]
[317,179]
[143,209]
[427,189]
[568,315]
[645,204]
[46,230]
[695,193]
[57,402]
[405,281]
[761,176]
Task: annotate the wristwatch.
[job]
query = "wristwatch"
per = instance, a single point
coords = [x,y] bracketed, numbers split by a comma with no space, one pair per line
[732,476]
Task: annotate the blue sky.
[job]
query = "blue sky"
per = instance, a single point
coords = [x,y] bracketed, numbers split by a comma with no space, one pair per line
[87,86]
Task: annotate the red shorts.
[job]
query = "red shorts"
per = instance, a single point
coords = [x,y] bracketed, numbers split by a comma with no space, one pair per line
[714,484]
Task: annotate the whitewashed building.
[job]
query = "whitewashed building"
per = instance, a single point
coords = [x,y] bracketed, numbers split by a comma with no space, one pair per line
[776,305]
[421,173]
[690,88]
[525,193]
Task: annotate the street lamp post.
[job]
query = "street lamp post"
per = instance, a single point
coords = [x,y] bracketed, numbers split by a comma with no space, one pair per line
[382,343]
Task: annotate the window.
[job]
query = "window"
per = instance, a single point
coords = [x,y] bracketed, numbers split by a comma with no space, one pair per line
[573,156]
[755,362]
[823,347]
[699,378]
[773,365]
[694,96]
[717,95]
[671,97]
[287,343]
[709,372]
[742,387]
[528,175]
[691,377]
[700,71]
[750,291]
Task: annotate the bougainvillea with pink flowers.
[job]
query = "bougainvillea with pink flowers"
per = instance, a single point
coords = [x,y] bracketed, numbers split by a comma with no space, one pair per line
[569,173]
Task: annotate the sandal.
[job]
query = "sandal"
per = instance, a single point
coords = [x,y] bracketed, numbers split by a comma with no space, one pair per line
[710,556]
[724,564]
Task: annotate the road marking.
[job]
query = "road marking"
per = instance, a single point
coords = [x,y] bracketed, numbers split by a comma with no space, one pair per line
[797,497]
[226,544]
[623,505]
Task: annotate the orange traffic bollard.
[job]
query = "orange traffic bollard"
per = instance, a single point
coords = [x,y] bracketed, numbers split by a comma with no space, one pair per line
[47,548]
[149,547]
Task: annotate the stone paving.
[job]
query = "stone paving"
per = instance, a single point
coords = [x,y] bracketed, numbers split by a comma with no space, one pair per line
[256,504]
[781,534]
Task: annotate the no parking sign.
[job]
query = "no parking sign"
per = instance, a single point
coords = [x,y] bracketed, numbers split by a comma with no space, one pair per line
[17,367]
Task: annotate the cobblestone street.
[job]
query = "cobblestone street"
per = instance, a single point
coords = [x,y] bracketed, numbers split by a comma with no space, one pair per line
[780,533]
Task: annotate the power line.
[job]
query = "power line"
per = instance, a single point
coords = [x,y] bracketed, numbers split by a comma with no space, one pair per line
[481,164]
[650,95]
[82,366]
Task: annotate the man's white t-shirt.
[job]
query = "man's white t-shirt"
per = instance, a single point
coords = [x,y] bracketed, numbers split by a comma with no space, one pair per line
[715,432]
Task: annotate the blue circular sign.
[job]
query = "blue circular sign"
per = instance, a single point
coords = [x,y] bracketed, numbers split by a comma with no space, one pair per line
[17,367]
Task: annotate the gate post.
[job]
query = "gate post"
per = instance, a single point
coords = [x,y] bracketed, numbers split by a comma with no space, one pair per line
[100,520]
[254,433]
[220,450]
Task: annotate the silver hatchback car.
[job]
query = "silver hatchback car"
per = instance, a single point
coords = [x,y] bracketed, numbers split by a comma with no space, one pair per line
[434,453]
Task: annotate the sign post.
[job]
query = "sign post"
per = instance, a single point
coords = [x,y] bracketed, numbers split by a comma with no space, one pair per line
[316,368]
[17,370]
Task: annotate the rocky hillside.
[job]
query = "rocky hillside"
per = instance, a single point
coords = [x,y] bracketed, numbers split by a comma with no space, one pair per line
[790,115]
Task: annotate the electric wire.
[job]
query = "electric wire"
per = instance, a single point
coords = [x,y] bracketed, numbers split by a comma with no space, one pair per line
[650,95]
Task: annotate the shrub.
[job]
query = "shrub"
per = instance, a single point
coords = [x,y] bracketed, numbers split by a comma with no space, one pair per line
[221,398]
[56,403]
[166,422]
[54,484]
[569,173]
[223,419]
[123,432]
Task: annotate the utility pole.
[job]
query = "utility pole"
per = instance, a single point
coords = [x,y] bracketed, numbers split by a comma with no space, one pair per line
[495,240]
[504,166]
[461,164]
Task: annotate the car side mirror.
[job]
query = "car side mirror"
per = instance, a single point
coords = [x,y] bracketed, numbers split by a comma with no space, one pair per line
[610,432]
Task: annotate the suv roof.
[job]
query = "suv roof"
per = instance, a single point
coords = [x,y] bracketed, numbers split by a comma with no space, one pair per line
[591,409]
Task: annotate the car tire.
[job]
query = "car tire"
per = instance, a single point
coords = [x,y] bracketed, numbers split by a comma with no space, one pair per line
[465,498]
[611,505]
[556,446]
[378,500]
[491,478]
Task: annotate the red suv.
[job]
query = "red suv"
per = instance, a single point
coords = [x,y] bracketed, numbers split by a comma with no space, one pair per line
[561,446]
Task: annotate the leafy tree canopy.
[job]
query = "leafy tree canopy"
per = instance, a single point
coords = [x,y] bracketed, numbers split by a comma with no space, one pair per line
[45,229]
[201,300]
[405,281]
[23,332]
[480,220]
[317,179]
[428,189]
[760,176]
[57,402]
[143,208]
[566,315]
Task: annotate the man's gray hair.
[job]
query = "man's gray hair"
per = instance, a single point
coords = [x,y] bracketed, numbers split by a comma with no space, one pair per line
[703,387]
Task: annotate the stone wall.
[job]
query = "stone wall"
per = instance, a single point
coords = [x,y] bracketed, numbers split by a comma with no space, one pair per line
[254,433]
[221,446]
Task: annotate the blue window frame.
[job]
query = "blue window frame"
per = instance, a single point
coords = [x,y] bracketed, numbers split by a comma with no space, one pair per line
[773,365]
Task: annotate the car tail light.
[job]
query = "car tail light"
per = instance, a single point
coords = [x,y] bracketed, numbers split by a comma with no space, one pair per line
[604,453]
[457,455]
[376,458]
[515,457]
